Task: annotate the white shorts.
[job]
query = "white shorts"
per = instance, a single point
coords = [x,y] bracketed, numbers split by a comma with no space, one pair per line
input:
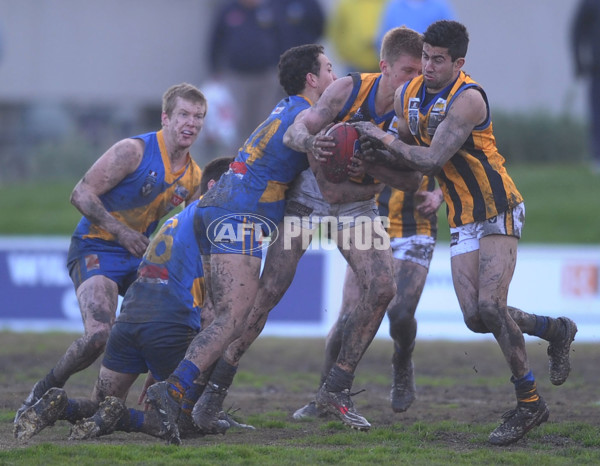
[304,200]
[466,238]
[416,248]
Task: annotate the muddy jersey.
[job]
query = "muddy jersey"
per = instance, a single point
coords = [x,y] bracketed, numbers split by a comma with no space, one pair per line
[474,181]
[170,280]
[360,106]
[404,218]
[143,197]
[258,179]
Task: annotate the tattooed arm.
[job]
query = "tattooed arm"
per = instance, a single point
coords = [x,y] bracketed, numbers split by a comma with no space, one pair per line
[106,173]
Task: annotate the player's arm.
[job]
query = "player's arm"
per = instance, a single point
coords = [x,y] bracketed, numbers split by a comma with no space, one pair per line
[467,111]
[402,179]
[106,173]
[303,135]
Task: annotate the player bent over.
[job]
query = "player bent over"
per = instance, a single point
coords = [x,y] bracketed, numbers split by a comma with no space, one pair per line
[160,315]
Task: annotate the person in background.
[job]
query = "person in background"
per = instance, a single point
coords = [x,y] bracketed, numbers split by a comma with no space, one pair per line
[246,42]
[243,54]
[585,40]
[415,14]
[300,22]
[352,28]
[122,197]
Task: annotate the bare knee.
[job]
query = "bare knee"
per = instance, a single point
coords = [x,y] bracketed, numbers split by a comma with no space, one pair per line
[489,314]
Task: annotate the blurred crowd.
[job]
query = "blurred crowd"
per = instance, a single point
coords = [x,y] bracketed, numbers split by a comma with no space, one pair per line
[248,36]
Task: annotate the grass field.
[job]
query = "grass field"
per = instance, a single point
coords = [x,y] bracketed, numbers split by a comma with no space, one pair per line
[562,203]
[463,389]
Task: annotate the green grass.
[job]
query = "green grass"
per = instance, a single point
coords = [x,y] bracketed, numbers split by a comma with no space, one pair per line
[416,444]
[561,201]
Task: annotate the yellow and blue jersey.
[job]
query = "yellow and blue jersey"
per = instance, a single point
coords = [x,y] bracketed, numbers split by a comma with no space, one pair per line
[143,197]
[474,181]
[401,210]
[170,280]
[263,168]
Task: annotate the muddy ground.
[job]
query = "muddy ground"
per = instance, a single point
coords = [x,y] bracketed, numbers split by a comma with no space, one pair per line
[466,382]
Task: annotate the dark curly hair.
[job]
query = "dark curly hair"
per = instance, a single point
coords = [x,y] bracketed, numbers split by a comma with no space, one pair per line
[448,34]
[295,64]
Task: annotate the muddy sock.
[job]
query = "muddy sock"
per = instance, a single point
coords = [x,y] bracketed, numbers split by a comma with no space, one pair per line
[77,409]
[526,389]
[223,374]
[338,380]
[182,379]
[50,381]
[548,328]
[131,421]
[191,396]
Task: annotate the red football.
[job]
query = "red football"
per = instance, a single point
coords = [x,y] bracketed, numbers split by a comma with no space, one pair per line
[346,141]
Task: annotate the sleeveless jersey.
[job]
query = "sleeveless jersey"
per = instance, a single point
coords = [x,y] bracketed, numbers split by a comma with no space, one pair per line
[360,106]
[143,197]
[400,208]
[170,281]
[258,179]
[474,181]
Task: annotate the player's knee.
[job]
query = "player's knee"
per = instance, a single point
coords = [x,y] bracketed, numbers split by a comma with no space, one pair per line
[95,341]
[383,290]
[489,315]
[475,324]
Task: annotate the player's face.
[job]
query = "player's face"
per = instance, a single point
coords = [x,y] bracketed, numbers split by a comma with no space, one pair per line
[326,74]
[404,69]
[438,68]
[185,123]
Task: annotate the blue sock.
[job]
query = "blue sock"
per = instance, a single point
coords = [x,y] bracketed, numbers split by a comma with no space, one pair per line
[541,325]
[527,380]
[182,378]
[131,423]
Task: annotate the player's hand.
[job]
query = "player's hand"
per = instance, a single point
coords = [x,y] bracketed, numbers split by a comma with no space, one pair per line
[320,147]
[366,128]
[428,202]
[357,167]
[133,241]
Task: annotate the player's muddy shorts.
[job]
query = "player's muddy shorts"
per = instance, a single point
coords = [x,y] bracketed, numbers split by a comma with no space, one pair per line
[465,238]
[136,348]
[219,231]
[304,201]
[90,257]
[416,248]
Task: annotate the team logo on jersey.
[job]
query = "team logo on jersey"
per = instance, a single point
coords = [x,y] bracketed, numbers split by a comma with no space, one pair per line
[413,115]
[149,183]
[358,116]
[436,115]
[277,110]
[179,195]
[92,262]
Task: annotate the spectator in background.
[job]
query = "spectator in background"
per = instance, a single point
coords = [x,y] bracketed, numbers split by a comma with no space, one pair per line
[244,49]
[414,14]
[300,22]
[352,29]
[585,37]
[243,54]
